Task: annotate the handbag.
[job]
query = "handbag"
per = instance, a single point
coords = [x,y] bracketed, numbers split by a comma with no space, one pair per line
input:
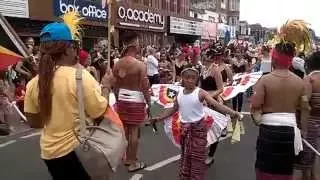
[102,145]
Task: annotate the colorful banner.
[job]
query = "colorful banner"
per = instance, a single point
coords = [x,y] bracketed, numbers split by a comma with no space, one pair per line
[164,94]
[241,83]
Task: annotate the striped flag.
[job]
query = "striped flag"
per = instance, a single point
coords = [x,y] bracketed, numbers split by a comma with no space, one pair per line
[8,58]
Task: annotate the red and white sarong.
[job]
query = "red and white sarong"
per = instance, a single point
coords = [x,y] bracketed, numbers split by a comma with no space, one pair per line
[193,150]
[131,107]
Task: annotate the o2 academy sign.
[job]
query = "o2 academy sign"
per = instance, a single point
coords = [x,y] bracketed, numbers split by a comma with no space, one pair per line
[140,18]
[91,10]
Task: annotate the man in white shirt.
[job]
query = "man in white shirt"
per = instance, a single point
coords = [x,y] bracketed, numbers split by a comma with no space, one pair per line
[153,67]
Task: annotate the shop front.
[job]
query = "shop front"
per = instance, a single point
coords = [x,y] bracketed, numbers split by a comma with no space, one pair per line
[37,13]
[184,30]
[149,23]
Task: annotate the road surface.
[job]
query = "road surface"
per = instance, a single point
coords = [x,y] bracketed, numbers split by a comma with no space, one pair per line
[19,157]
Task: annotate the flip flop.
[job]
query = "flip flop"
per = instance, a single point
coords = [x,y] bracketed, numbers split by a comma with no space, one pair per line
[138,166]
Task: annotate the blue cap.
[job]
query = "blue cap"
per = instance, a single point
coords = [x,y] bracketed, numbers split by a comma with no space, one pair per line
[55,32]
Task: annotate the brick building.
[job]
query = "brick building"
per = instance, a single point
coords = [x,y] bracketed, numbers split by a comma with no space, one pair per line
[152,19]
[228,10]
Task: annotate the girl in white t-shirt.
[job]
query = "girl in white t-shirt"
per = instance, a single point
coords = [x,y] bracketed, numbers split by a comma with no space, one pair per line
[189,102]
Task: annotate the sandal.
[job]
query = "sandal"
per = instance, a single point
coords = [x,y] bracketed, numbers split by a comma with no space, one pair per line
[137,167]
[128,163]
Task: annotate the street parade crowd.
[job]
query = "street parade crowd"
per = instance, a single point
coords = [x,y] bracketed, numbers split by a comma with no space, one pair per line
[61,88]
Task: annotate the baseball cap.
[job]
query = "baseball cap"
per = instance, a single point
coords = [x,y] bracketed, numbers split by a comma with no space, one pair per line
[55,32]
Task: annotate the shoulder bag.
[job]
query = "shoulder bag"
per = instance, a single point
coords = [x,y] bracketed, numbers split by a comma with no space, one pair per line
[102,146]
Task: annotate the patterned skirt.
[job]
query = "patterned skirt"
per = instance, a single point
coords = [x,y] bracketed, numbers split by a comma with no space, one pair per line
[275,153]
[131,113]
[307,157]
[193,151]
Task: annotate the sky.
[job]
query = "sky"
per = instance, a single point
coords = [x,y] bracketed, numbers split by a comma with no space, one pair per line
[274,13]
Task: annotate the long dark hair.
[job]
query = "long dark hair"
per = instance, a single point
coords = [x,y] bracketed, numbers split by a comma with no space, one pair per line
[51,53]
[287,48]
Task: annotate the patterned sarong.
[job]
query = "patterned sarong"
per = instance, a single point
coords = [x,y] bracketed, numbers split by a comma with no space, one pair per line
[193,151]
[307,158]
[131,107]
[131,113]
[275,153]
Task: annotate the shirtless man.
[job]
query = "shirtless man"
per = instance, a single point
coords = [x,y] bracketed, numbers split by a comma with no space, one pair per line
[278,96]
[132,91]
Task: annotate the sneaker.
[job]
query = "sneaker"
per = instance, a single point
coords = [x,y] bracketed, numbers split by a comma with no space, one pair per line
[209,160]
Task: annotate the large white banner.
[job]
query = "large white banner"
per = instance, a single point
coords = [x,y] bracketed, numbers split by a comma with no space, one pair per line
[15,8]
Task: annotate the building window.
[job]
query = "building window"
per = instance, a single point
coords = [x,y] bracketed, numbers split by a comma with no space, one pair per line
[136,1]
[180,6]
[146,2]
[172,5]
[223,4]
[238,5]
[164,4]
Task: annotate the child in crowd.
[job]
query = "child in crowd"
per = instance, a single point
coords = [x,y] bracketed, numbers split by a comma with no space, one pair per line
[4,108]
[189,103]
[20,93]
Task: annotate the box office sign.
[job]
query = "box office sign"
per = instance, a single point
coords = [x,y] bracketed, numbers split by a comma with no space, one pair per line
[95,10]
[140,18]
[184,26]
[14,8]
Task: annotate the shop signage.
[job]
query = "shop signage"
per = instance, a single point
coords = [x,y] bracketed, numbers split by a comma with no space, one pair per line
[184,26]
[140,18]
[14,8]
[209,30]
[89,9]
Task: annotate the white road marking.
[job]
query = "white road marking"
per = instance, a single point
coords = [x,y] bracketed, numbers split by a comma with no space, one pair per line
[163,163]
[7,143]
[246,113]
[136,177]
[30,135]
[173,159]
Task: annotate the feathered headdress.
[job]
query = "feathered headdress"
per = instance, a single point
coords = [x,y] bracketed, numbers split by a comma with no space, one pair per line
[297,32]
[72,19]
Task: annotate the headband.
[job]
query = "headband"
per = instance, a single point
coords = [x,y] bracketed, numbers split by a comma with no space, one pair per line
[190,69]
[281,58]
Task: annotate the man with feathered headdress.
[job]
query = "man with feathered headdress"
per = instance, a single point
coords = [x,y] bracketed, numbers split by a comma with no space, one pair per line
[278,95]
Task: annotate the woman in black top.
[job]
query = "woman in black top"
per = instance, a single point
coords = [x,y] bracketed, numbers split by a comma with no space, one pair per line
[212,80]
[179,65]
[239,65]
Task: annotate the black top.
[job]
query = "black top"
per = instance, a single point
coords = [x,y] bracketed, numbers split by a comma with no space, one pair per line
[240,69]
[208,84]
[224,76]
[297,72]
[179,69]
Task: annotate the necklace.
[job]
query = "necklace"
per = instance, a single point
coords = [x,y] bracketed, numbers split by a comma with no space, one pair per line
[281,73]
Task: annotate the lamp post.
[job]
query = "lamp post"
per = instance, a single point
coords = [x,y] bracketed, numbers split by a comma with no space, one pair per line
[110,30]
